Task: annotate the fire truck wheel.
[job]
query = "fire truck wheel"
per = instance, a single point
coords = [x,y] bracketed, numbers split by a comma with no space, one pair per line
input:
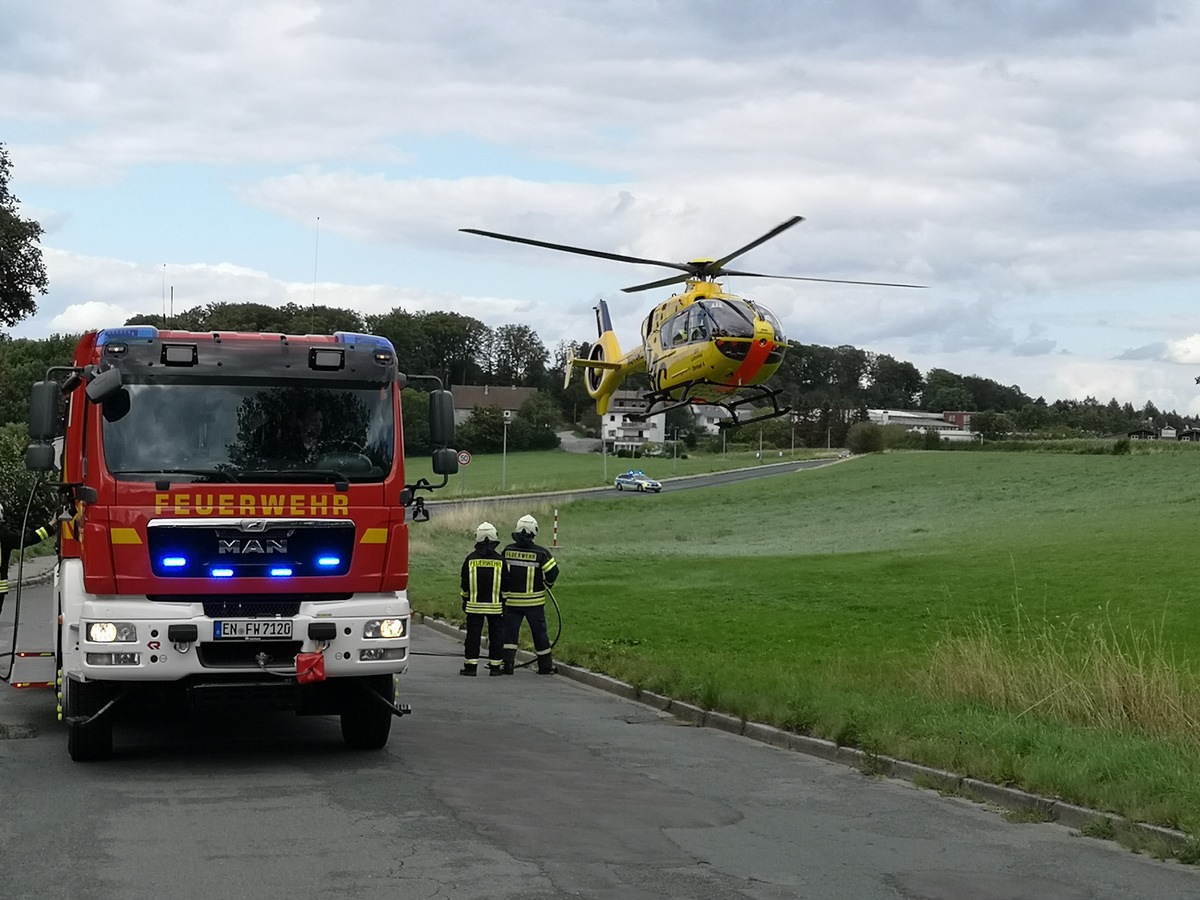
[366,723]
[87,743]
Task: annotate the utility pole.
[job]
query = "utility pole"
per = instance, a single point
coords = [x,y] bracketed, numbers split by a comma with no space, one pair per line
[504,454]
[604,449]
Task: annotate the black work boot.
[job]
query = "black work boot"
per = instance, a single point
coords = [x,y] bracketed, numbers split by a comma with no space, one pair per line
[467,669]
[494,671]
[507,668]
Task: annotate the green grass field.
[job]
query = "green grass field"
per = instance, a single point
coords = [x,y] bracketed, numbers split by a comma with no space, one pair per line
[1025,618]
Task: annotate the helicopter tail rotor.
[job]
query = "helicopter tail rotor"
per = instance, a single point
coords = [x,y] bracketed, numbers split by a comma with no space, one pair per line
[604,365]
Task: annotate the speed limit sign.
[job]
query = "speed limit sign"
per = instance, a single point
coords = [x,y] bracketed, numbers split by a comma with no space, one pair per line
[464,458]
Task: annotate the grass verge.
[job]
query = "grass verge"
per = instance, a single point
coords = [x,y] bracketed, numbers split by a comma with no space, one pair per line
[1019,618]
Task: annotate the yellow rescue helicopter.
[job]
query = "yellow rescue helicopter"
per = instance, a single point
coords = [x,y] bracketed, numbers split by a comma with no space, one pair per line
[700,346]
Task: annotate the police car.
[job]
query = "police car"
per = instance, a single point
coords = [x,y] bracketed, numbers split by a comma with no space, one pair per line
[637,481]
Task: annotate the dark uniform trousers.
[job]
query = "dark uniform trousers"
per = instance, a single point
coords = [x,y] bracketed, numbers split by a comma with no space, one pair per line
[481,577]
[528,570]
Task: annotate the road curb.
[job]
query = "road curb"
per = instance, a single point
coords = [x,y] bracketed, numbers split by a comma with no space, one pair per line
[39,578]
[1053,809]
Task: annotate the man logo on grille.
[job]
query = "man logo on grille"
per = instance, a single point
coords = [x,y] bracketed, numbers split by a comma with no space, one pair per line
[241,547]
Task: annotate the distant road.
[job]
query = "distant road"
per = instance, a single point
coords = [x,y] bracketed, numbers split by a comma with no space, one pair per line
[734,475]
[670,484]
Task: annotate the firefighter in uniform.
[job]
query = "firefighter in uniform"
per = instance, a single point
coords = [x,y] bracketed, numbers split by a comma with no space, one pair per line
[482,573]
[10,542]
[528,570]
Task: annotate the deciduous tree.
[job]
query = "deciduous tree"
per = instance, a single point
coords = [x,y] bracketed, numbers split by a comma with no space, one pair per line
[22,271]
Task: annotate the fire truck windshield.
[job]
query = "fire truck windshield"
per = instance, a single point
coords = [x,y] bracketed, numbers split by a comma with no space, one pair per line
[245,432]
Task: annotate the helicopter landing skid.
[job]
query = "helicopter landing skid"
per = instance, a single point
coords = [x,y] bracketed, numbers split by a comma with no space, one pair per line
[775,412]
[759,394]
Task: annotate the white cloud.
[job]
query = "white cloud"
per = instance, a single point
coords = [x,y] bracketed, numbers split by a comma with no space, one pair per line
[1036,164]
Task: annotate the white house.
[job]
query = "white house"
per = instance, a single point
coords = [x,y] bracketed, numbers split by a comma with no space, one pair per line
[920,421]
[709,418]
[621,431]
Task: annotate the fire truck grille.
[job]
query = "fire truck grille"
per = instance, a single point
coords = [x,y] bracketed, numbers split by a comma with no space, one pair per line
[253,609]
[245,653]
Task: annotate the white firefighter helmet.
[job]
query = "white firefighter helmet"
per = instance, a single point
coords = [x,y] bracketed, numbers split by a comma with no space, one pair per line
[527,525]
[486,532]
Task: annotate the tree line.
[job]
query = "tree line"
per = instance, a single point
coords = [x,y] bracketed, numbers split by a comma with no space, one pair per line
[830,388]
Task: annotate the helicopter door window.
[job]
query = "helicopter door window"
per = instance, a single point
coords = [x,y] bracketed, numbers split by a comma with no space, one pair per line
[677,328]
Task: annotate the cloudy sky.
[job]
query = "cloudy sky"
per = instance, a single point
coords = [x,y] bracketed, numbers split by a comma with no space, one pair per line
[1036,163]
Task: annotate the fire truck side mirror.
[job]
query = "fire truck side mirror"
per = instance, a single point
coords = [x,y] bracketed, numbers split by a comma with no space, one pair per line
[441,419]
[445,461]
[45,399]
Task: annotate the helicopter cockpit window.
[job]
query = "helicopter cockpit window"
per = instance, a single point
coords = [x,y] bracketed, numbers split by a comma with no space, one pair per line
[770,317]
[727,318]
[697,325]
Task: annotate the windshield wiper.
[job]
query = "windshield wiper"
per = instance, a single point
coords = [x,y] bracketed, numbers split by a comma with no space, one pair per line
[295,474]
[198,474]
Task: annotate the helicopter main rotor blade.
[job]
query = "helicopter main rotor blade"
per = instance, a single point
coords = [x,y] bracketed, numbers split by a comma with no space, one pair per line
[715,266]
[824,280]
[599,254]
[674,279]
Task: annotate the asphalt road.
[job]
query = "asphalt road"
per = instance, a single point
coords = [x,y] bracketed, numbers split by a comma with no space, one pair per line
[732,476]
[497,788]
[670,484]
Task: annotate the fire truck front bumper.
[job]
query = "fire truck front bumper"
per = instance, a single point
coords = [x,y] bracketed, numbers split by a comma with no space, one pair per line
[118,639]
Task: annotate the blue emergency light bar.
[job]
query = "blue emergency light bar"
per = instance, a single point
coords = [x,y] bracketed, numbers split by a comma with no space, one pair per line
[353,338]
[134,333]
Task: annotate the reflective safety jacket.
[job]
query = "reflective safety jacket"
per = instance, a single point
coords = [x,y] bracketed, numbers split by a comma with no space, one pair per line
[482,572]
[528,570]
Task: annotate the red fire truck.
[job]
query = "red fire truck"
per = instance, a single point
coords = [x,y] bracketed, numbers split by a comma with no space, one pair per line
[233,528]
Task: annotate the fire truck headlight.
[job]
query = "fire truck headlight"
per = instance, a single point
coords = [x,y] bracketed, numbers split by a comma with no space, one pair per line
[385,628]
[112,632]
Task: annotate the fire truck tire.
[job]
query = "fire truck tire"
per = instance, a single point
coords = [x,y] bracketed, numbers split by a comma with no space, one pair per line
[87,743]
[366,723]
